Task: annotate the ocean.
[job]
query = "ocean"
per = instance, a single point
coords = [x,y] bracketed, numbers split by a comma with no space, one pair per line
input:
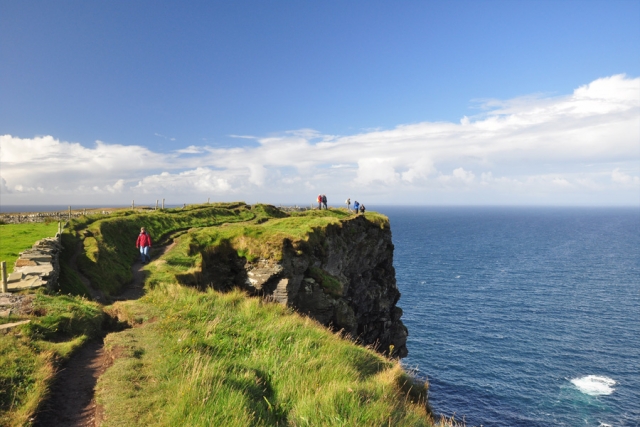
[523,316]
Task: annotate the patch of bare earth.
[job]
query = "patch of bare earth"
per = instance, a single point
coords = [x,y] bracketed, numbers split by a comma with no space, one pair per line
[71,401]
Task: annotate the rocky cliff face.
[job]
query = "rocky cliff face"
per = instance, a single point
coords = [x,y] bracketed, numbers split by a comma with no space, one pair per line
[343,277]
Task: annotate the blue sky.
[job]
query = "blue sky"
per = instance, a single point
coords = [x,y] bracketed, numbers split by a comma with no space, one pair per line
[166,99]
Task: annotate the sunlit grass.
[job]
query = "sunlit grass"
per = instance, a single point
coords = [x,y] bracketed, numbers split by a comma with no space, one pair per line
[206,359]
[30,353]
[16,238]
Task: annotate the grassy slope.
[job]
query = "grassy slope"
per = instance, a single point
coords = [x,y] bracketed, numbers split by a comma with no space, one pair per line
[15,238]
[202,359]
[30,354]
[109,242]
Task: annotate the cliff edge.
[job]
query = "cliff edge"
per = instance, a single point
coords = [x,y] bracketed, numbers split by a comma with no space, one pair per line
[341,274]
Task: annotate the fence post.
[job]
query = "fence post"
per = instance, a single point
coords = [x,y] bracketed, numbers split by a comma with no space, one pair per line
[162,204]
[208,198]
[4,276]
[156,204]
[133,204]
[69,213]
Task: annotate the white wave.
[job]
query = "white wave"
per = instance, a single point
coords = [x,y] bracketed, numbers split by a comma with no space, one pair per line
[457,277]
[594,385]
[605,425]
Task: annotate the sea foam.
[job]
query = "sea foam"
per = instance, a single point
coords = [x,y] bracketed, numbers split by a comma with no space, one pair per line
[594,385]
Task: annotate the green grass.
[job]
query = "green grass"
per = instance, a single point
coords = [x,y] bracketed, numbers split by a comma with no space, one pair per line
[109,242]
[202,359]
[16,238]
[205,358]
[30,354]
[262,238]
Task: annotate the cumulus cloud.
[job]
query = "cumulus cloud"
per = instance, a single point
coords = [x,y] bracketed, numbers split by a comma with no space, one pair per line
[192,149]
[620,177]
[584,144]
[458,176]
[199,180]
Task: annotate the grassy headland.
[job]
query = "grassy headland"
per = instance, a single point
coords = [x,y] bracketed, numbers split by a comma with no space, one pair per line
[203,357]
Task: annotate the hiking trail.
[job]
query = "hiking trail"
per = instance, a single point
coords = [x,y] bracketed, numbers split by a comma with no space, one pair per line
[71,402]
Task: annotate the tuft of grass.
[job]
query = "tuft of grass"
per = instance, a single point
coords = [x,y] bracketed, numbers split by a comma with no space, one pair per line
[16,238]
[330,284]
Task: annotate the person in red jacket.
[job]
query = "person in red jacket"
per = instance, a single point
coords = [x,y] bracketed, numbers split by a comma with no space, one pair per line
[144,244]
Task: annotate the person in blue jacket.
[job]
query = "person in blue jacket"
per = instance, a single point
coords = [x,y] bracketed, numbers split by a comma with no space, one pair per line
[356,207]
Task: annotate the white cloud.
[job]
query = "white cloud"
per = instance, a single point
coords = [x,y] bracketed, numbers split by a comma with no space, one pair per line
[620,177]
[199,180]
[538,148]
[376,170]
[164,137]
[115,188]
[3,187]
[458,176]
[192,149]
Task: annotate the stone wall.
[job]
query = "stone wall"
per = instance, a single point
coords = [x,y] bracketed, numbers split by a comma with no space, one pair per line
[38,266]
[22,217]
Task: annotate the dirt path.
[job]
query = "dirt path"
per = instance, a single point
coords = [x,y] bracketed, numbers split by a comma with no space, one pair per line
[71,402]
[136,288]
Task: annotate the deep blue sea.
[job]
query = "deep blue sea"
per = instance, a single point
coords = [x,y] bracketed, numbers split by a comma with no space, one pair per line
[523,316]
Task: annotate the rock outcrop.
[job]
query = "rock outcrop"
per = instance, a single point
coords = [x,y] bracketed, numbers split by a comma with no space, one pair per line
[343,277]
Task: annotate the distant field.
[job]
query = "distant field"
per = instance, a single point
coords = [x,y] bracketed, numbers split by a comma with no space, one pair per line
[15,238]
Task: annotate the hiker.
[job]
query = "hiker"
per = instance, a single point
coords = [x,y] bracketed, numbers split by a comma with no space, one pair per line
[362,209]
[356,207]
[320,201]
[348,202]
[144,243]
[324,201]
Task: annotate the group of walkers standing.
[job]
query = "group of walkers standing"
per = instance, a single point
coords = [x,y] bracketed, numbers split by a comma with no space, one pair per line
[322,201]
[357,207]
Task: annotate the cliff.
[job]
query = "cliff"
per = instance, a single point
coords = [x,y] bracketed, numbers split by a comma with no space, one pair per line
[342,275]
[331,265]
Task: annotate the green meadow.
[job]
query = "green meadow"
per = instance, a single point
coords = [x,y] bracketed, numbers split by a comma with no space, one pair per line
[15,238]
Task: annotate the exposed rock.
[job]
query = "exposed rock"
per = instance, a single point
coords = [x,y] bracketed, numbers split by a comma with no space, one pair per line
[36,267]
[343,277]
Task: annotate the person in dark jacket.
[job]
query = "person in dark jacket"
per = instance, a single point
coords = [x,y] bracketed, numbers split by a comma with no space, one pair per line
[362,209]
[356,207]
[144,244]
[324,200]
